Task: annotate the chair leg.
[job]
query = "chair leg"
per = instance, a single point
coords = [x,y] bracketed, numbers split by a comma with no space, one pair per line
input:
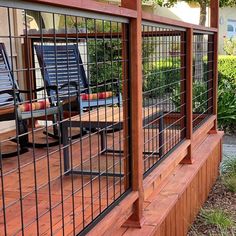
[23,140]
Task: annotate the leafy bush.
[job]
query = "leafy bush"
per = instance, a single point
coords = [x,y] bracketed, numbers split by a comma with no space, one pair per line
[104,61]
[230,46]
[229,182]
[199,97]
[227,93]
[162,78]
[229,174]
[229,166]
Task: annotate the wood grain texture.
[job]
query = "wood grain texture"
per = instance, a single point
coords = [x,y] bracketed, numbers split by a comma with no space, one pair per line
[214,22]
[90,5]
[189,93]
[174,208]
[135,66]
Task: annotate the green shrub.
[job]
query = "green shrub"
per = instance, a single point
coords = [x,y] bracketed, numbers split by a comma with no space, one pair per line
[104,61]
[199,97]
[229,182]
[227,93]
[218,218]
[229,166]
[230,46]
[162,78]
[229,174]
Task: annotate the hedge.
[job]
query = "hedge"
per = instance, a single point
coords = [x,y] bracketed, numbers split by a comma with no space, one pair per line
[227,93]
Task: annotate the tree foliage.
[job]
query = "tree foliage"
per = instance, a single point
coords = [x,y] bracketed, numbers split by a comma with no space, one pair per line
[170,3]
[203,4]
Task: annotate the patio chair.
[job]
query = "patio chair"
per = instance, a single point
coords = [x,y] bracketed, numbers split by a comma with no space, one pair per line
[12,106]
[62,66]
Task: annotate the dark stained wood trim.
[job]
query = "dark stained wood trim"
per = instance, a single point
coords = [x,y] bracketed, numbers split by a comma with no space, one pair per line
[90,5]
[168,21]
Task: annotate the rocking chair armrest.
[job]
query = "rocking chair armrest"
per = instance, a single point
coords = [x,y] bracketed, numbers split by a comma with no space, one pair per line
[113,81]
[50,87]
[8,91]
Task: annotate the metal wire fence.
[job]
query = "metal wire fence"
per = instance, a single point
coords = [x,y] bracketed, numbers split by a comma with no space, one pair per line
[202,77]
[164,94]
[64,159]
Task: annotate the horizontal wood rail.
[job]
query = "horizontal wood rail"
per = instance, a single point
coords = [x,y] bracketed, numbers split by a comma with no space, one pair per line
[89,5]
[167,21]
[52,36]
[129,209]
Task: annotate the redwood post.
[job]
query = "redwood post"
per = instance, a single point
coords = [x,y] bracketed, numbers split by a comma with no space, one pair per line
[214,21]
[189,93]
[135,65]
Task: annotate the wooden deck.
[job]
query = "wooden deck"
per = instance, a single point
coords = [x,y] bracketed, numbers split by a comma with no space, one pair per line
[63,201]
[172,198]
[58,206]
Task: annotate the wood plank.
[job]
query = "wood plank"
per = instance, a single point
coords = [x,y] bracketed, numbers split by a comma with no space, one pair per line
[189,93]
[214,18]
[189,84]
[90,5]
[110,114]
[135,66]
[182,184]
[157,178]
[165,20]
[214,22]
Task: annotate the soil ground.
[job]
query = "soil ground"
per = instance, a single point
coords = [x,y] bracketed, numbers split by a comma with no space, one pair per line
[219,198]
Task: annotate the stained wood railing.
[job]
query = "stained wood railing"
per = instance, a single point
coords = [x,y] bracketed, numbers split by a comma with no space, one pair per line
[147,139]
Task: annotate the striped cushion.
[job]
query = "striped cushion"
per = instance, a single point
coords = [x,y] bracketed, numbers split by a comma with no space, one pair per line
[95,96]
[34,106]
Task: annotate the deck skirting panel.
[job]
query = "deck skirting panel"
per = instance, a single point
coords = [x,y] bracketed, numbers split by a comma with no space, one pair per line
[172,210]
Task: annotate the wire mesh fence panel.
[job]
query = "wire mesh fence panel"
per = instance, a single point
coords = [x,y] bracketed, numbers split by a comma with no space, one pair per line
[202,78]
[164,102]
[64,119]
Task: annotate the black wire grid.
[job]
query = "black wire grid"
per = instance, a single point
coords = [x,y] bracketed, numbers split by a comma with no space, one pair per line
[203,62]
[163,92]
[73,169]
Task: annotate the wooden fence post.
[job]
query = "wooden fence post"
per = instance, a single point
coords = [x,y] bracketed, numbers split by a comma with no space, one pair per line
[135,65]
[189,93]
[214,22]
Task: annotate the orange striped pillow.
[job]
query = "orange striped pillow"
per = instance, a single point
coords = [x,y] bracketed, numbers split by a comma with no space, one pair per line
[95,96]
[34,106]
